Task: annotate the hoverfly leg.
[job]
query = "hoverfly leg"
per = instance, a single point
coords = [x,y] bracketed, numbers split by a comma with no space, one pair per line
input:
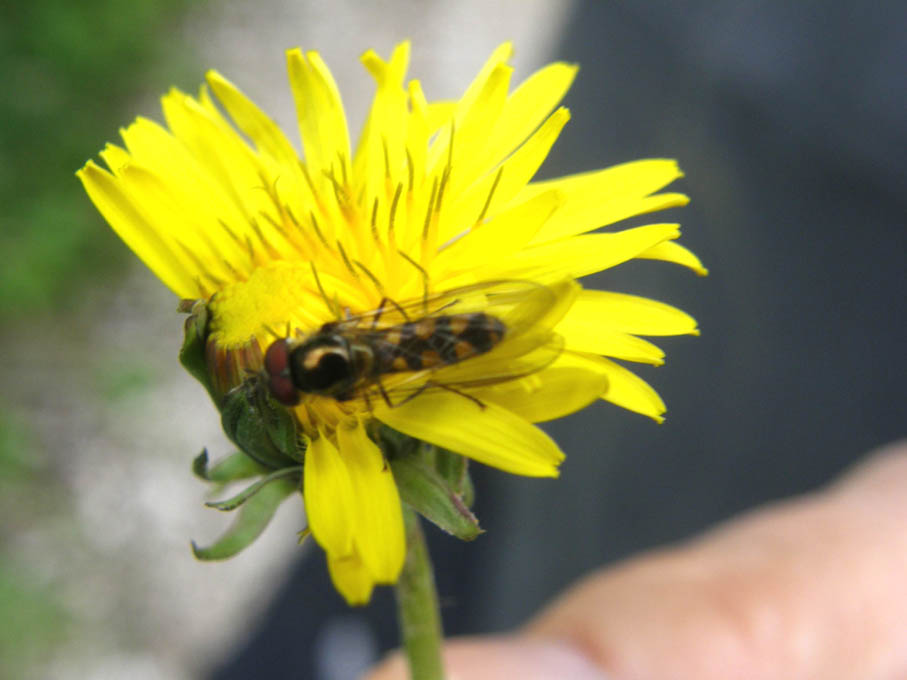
[431,383]
[399,309]
[380,310]
[384,394]
[471,398]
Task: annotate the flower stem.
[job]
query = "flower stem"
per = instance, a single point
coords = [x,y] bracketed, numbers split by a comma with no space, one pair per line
[417,605]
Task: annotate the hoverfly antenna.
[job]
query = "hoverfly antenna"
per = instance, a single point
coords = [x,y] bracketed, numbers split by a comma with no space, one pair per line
[270,330]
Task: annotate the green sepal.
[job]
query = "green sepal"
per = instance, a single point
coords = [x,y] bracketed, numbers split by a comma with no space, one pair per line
[261,427]
[427,491]
[250,491]
[454,468]
[234,467]
[195,337]
[252,519]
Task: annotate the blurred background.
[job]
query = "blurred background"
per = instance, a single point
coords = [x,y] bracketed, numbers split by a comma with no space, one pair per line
[789,120]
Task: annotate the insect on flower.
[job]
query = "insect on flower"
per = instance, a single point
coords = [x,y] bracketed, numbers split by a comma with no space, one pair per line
[400,350]
[436,195]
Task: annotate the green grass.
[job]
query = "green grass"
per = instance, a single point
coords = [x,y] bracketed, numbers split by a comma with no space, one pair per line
[34,621]
[71,71]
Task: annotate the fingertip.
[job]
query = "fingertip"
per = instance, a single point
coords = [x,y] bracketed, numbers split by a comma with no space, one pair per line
[393,667]
[492,658]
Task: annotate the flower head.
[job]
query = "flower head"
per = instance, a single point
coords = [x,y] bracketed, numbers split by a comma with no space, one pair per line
[435,197]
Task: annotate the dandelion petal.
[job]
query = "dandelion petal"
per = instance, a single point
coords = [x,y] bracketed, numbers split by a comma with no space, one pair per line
[489,434]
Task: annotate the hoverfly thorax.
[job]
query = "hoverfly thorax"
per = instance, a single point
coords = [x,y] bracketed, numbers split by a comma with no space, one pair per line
[327,365]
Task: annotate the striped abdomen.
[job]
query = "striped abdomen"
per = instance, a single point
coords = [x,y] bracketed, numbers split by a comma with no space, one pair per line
[434,341]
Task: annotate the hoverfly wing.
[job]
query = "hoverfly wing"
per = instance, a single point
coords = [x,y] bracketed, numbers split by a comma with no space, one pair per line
[505,332]
[511,301]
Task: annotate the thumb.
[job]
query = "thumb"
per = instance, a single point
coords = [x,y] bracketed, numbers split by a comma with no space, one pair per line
[527,657]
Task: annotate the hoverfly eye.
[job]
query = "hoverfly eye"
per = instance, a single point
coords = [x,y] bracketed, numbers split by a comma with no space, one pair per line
[283,390]
[277,358]
[276,365]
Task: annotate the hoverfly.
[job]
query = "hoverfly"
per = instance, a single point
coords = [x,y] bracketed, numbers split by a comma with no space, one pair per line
[470,336]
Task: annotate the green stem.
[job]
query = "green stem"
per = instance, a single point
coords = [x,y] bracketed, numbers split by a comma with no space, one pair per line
[417,605]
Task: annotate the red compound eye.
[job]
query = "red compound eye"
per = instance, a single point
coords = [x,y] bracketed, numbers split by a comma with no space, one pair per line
[277,367]
[277,358]
[283,390]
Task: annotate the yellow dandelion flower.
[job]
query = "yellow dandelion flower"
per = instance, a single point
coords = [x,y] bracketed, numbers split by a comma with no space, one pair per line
[436,197]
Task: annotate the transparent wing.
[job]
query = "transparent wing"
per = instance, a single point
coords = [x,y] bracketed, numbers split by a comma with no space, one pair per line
[519,304]
[525,311]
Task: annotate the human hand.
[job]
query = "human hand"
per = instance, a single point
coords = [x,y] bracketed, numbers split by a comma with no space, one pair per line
[812,588]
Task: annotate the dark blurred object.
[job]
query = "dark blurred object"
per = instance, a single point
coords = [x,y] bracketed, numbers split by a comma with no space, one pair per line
[789,120]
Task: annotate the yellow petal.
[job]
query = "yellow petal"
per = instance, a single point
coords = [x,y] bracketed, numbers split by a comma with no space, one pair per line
[229,161]
[630,314]
[264,132]
[186,202]
[377,517]
[602,197]
[629,391]
[501,55]
[384,134]
[469,157]
[418,132]
[491,435]
[214,257]
[506,181]
[674,252]
[351,578]
[439,114]
[595,337]
[142,236]
[329,499]
[581,255]
[322,121]
[552,393]
[527,107]
[505,233]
